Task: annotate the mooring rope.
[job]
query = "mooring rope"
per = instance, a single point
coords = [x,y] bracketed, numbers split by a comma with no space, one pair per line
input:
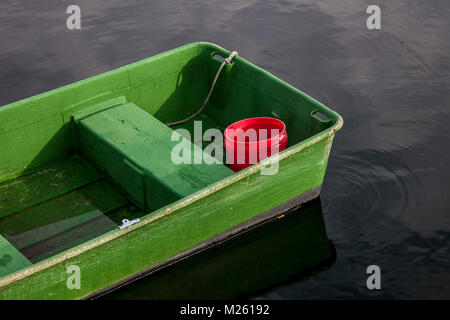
[226,61]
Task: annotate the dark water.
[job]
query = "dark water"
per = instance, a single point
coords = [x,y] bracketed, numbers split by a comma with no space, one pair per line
[385,198]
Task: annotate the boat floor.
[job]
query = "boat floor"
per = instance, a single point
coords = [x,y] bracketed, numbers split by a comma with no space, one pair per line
[58,207]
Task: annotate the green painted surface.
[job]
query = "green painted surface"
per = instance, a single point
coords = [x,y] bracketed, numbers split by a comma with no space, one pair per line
[52,239]
[292,247]
[10,258]
[42,185]
[39,131]
[178,231]
[59,191]
[58,207]
[44,232]
[134,149]
[96,196]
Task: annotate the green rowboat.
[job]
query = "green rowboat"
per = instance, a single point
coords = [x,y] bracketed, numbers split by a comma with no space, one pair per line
[90,197]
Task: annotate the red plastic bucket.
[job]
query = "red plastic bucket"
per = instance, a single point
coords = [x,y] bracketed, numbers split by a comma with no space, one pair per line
[251,140]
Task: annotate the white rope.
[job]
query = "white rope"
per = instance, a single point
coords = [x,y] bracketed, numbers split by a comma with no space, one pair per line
[226,61]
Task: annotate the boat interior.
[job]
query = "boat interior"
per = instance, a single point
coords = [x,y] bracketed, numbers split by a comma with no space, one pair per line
[78,160]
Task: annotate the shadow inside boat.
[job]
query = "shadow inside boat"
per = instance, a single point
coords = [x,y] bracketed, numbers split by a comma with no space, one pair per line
[283,250]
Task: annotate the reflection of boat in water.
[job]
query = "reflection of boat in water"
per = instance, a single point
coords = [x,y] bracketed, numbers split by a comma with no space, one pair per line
[284,249]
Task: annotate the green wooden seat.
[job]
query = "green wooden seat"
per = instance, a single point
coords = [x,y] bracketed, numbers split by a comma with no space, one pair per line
[133,149]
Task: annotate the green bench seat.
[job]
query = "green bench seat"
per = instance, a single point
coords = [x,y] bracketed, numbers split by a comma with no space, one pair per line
[133,149]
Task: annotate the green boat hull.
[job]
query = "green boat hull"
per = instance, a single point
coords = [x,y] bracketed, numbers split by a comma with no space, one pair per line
[41,134]
[278,251]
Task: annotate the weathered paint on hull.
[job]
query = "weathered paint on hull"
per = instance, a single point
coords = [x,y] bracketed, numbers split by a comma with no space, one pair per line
[285,248]
[266,217]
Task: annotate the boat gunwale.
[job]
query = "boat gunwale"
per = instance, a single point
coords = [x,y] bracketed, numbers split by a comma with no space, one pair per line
[150,217]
